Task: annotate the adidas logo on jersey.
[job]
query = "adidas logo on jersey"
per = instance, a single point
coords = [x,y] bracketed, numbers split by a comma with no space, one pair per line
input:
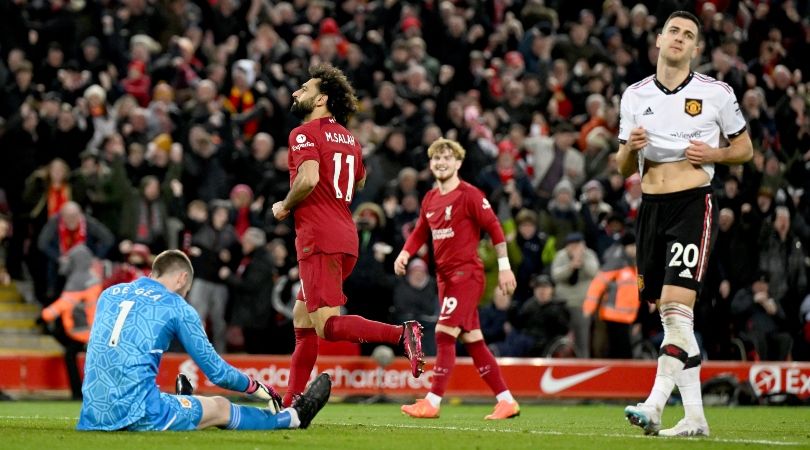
[648,112]
[685,273]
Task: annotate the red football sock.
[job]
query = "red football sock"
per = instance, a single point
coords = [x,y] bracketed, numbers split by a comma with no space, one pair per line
[445,360]
[302,362]
[487,366]
[360,330]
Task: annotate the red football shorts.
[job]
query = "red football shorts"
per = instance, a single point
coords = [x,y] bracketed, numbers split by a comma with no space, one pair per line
[322,276]
[458,299]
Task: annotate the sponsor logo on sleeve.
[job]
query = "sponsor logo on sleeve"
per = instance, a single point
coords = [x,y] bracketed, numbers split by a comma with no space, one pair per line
[302,142]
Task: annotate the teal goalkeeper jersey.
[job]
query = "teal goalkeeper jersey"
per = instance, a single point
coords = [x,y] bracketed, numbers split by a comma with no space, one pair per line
[134,324]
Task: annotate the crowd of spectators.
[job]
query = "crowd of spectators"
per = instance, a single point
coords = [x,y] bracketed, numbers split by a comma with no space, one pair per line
[139,125]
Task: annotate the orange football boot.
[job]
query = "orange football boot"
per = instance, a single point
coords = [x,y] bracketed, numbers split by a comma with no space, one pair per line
[422,409]
[504,410]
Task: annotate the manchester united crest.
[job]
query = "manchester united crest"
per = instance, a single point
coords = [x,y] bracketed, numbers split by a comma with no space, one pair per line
[693,106]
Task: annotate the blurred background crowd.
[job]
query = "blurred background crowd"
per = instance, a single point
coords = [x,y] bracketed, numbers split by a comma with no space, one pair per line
[131,126]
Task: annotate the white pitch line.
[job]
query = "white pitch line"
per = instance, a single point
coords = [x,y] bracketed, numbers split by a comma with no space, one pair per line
[37,417]
[486,430]
[559,433]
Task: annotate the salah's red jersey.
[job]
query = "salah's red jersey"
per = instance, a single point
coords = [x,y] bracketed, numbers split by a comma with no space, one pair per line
[323,221]
[454,222]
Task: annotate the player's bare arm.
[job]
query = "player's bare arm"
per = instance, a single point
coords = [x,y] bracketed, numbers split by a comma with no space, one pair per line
[740,150]
[401,263]
[506,278]
[360,184]
[417,238]
[627,157]
[302,186]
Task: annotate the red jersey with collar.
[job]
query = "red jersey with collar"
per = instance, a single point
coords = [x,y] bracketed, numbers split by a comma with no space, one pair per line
[323,221]
[454,221]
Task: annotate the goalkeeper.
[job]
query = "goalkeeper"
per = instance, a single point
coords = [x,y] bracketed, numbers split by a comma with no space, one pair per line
[134,324]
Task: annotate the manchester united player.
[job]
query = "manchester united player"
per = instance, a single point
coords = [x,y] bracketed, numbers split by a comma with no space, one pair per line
[453,214]
[671,125]
[326,166]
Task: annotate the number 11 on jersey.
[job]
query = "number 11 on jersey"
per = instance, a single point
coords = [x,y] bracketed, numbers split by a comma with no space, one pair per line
[338,166]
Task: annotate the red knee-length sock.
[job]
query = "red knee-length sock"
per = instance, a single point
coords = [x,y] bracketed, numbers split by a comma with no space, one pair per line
[487,366]
[360,330]
[445,361]
[302,362]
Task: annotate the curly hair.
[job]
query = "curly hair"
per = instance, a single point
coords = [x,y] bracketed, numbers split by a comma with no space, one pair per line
[342,102]
[441,144]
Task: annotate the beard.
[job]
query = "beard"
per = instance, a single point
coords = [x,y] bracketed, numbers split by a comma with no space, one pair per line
[302,108]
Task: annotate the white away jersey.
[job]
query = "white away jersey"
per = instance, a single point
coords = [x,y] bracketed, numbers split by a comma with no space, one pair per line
[700,108]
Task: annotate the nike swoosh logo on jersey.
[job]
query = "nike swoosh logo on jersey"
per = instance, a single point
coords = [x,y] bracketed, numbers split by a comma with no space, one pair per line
[429,215]
[443,318]
[551,385]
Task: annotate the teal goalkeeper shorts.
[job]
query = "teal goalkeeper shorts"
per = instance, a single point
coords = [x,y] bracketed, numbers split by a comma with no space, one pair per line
[170,413]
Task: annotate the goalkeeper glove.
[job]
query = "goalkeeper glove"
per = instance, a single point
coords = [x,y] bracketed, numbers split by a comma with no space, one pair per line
[263,392]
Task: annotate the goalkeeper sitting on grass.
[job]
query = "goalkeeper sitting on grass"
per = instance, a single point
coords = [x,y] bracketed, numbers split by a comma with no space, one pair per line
[135,322]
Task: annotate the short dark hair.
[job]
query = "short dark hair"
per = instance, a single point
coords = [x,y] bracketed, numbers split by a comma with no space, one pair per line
[342,102]
[542,279]
[171,261]
[685,15]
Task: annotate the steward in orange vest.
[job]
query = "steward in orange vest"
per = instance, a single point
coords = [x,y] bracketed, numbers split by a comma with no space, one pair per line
[614,291]
[77,308]
[77,304]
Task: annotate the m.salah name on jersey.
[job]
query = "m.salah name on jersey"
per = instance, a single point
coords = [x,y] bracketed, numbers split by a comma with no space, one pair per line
[339,138]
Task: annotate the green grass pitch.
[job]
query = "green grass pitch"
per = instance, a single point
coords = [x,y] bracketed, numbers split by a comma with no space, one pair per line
[50,425]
